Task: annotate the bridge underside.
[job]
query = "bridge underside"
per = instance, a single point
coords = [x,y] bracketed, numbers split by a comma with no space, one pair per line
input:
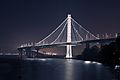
[61,50]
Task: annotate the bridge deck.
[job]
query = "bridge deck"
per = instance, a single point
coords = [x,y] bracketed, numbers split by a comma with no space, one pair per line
[72,43]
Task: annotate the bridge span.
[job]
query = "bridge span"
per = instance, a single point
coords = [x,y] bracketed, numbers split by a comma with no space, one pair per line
[69,33]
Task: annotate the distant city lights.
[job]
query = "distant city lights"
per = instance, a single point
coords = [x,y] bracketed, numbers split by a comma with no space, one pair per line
[48,53]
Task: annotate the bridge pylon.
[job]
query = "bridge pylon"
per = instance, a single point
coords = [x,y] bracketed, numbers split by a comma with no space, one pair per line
[69,37]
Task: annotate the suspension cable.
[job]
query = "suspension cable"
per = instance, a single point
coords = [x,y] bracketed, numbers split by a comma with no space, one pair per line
[52,32]
[60,33]
[77,32]
[84,29]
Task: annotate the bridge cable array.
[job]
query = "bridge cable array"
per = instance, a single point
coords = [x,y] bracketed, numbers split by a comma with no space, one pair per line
[59,35]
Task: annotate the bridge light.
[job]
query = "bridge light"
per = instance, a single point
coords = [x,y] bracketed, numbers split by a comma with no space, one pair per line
[116,35]
[21,46]
[98,36]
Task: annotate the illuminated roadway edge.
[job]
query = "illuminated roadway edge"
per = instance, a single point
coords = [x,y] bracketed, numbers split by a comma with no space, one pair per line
[71,43]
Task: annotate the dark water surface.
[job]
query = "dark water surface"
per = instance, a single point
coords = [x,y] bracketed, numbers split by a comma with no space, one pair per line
[54,69]
[63,69]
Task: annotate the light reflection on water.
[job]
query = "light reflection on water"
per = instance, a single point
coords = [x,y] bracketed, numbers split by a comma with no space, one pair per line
[63,69]
[69,69]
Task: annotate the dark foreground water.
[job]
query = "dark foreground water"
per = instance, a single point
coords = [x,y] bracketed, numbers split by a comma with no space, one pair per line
[54,69]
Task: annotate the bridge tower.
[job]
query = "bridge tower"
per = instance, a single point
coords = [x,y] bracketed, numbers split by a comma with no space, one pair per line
[69,47]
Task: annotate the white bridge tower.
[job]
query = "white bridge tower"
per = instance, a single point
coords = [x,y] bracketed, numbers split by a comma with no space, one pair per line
[69,47]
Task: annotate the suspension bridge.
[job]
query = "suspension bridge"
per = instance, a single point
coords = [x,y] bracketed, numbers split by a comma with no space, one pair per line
[68,34]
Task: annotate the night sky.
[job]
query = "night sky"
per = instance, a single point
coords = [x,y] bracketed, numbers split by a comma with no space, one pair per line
[23,21]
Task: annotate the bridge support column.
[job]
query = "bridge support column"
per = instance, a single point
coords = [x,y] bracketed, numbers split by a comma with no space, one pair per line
[69,51]
[20,52]
[87,45]
[37,49]
[69,47]
[101,45]
[28,52]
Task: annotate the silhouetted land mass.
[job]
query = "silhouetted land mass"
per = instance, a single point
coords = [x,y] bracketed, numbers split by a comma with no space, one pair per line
[90,54]
[108,54]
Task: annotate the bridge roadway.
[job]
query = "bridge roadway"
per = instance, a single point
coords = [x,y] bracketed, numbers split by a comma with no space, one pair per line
[101,41]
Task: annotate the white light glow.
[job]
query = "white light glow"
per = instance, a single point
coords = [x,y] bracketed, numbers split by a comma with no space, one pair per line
[99,63]
[117,66]
[94,62]
[43,59]
[87,62]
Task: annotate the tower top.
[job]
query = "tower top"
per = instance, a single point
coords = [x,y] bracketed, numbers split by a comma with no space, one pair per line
[69,15]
